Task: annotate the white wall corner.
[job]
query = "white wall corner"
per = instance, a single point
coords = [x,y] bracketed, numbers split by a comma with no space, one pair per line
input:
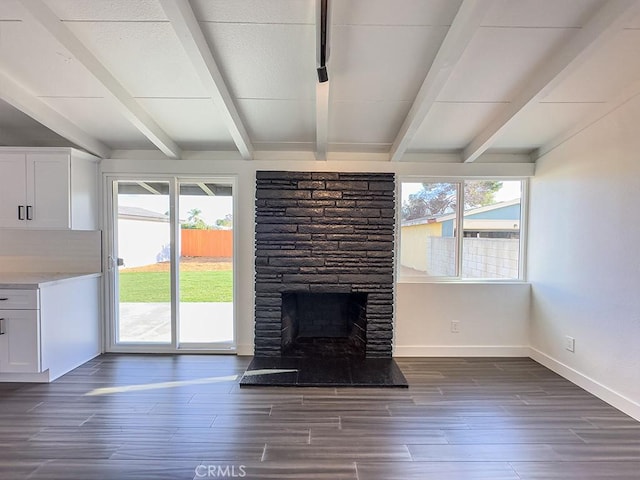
[592,386]
[244,350]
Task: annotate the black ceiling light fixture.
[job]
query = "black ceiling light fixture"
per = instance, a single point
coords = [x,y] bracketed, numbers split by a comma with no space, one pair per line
[322,42]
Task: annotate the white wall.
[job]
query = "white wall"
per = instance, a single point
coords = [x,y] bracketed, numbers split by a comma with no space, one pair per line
[408,317]
[584,261]
[493,319]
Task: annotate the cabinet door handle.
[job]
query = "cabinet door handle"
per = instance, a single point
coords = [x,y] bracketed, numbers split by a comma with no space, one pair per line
[29,212]
[3,299]
[2,332]
[20,212]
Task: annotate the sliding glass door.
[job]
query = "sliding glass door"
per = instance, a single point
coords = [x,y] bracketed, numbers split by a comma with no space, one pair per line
[205,264]
[143,265]
[170,264]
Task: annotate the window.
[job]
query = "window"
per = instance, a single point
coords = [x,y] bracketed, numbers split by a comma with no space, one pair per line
[488,214]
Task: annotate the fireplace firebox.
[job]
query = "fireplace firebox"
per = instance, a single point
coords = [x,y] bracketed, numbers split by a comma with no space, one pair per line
[324,324]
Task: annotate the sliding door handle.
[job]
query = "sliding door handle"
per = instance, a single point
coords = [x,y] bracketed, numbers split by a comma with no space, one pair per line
[20,212]
[29,212]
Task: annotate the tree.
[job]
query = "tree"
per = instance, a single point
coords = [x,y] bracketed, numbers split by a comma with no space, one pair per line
[193,215]
[194,222]
[226,222]
[478,193]
[441,198]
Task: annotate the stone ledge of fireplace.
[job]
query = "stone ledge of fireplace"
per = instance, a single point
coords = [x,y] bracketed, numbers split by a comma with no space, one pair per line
[305,372]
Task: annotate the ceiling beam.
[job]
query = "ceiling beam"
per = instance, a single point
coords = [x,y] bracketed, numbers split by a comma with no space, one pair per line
[206,189]
[462,29]
[126,103]
[148,188]
[187,28]
[17,96]
[598,30]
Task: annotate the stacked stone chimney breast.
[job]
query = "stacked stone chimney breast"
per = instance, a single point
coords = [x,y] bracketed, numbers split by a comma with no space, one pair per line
[324,232]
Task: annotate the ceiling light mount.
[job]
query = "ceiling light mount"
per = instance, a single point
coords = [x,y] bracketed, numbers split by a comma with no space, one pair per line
[322,41]
[323,75]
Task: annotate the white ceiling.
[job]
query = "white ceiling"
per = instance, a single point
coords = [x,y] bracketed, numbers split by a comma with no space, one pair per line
[466,77]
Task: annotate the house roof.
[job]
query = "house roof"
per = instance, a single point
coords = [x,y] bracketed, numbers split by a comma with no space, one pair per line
[419,80]
[467,213]
[137,213]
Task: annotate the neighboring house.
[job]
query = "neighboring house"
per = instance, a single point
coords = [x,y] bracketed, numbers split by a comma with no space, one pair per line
[500,220]
[414,235]
[144,236]
[491,242]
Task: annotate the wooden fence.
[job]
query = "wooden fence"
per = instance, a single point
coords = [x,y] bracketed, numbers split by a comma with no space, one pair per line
[206,243]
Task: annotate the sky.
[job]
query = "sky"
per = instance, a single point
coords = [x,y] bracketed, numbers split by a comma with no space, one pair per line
[213,208]
[509,190]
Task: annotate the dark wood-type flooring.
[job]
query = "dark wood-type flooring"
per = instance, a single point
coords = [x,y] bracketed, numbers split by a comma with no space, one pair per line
[123,417]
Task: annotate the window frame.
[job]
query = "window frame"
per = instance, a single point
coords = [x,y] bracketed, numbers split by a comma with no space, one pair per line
[459,182]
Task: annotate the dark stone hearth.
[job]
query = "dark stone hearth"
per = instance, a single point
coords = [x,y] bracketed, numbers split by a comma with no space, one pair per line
[312,372]
[324,233]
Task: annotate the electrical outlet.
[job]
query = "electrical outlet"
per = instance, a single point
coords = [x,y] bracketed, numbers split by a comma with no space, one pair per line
[455,326]
[570,343]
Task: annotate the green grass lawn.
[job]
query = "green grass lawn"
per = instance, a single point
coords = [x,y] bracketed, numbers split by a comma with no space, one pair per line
[214,286]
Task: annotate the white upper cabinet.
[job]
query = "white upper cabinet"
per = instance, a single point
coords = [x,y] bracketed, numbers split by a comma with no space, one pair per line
[48,189]
[13,179]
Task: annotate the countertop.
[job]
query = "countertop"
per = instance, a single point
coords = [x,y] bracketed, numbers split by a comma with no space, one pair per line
[33,280]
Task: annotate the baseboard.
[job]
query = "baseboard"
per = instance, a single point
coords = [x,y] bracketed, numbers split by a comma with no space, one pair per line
[460,351]
[57,371]
[436,351]
[601,391]
[42,377]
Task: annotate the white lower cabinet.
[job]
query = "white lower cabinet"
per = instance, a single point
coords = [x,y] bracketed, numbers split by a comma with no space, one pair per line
[48,330]
[20,341]
[19,331]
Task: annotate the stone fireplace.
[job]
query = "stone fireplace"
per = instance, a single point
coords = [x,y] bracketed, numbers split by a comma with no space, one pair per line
[324,264]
